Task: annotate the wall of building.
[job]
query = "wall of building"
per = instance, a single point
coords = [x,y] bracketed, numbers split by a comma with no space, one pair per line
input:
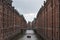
[48,20]
[11,22]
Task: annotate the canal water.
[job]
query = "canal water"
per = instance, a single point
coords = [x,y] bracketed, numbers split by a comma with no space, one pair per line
[28,35]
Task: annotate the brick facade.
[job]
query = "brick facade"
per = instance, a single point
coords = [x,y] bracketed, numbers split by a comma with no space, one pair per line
[48,20]
[11,21]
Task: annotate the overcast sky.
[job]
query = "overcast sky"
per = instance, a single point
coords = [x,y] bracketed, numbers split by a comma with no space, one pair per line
[29,8]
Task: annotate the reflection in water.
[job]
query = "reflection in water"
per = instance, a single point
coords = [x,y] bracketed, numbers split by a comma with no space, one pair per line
[28,33]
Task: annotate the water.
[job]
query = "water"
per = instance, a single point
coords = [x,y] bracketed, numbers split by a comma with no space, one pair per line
[28,33]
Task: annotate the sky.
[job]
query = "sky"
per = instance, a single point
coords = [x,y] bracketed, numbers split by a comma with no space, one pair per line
[28,8]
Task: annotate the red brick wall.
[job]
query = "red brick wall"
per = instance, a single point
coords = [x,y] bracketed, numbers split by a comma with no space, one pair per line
[10,21]
[48,19]
[1,16]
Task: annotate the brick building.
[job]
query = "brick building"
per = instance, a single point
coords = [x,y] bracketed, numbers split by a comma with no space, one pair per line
[48,20]
[11,21]
[29,25]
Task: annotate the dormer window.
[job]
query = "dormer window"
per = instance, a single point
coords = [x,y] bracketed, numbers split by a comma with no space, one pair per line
[9,2]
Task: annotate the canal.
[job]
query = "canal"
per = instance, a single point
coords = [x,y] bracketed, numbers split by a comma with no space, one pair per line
[28,35]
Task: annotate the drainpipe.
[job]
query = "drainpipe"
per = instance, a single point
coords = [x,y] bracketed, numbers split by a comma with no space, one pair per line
[3,18]
[52,17]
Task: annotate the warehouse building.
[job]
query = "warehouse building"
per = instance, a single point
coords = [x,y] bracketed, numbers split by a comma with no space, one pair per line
[11,21]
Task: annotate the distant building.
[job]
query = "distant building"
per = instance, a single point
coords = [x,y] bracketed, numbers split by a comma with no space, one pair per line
[29,25]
